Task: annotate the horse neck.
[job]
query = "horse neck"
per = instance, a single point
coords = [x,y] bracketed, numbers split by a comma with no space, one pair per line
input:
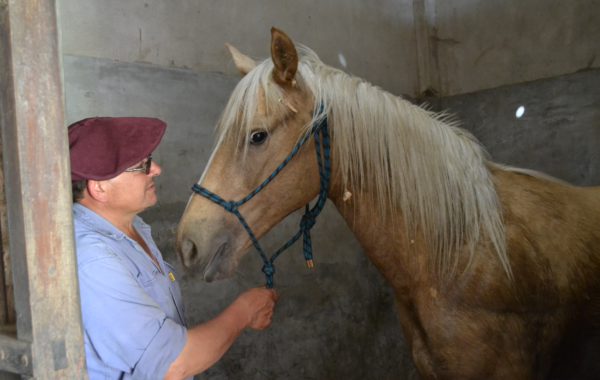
[411,162]
[399,255]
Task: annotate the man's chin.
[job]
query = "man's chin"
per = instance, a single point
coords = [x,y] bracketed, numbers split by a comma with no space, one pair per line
[151,200]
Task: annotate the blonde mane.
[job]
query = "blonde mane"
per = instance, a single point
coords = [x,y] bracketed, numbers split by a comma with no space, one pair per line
[402,157]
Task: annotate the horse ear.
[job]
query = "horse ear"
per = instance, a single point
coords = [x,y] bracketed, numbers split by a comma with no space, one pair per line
[243,63]
[284,56]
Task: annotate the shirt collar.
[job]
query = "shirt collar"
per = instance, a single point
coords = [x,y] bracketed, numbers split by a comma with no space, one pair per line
[103,226]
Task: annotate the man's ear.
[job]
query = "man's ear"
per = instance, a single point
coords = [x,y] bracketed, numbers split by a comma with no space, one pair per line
[96,190]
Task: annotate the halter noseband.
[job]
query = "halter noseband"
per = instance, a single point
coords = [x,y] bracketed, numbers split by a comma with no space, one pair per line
[310,214]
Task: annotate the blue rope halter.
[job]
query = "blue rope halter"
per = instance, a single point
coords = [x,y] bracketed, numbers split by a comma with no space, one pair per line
[310,214]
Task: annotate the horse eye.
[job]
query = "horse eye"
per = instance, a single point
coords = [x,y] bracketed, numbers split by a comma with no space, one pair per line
[258,137]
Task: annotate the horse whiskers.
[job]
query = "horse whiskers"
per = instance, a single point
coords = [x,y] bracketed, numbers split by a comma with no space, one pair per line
[287,104]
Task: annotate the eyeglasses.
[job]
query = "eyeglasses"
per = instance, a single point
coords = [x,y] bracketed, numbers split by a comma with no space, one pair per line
[144,167]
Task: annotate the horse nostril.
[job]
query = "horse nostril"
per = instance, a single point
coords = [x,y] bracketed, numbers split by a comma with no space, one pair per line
[189,252]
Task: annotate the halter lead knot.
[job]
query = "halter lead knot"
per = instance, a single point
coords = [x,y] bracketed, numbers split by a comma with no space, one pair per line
[269,270]
[307,222]
[231,207]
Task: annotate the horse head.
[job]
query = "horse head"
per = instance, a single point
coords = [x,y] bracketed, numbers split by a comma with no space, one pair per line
[269,111]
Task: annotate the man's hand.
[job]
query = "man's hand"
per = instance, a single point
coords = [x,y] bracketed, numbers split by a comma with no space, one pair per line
[257,305]
[206,343]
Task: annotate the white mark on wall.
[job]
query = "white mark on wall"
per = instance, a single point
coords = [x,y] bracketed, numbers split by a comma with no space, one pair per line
[342,60]
[520,112]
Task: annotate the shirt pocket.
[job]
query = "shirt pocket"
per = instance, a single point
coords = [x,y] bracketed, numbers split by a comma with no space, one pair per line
[154,285]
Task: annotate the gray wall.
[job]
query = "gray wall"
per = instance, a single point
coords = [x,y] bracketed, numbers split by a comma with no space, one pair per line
[362,37]
[482,44]
[405,46]
[558,134]
[167,59]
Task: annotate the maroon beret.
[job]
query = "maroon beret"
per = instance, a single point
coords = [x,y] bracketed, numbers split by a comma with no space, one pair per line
[103,147]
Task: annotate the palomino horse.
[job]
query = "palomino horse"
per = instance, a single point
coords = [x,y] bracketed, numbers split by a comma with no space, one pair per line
[496,270]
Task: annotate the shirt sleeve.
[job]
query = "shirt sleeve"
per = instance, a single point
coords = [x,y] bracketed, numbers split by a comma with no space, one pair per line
[125,326]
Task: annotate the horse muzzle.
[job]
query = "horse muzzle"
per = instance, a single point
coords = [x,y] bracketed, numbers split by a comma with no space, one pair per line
[213,263]
[208,243]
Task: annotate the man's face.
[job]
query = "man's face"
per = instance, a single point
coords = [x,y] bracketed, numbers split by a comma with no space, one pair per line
[133,191]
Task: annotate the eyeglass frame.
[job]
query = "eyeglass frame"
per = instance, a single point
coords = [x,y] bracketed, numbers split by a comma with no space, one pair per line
[144,167]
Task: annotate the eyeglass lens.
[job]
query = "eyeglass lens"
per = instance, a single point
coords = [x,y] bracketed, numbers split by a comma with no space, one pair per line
[148,165]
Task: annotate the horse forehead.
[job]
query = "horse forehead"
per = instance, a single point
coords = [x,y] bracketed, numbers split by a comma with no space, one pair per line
[261,108]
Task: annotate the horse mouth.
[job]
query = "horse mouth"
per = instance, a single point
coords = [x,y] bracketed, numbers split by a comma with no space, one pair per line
[214,268]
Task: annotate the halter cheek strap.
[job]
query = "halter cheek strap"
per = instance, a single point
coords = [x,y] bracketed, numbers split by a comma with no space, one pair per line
[323,149]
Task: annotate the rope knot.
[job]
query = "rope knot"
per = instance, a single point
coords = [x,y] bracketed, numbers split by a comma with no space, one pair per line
[229,206]
[268,269]
[307,222]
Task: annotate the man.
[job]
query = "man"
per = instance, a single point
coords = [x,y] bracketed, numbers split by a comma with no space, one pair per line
[134,326]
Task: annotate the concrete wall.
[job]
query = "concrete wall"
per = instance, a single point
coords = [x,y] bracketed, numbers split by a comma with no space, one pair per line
[370,39]
[405,46]
[482,44]
[167,59]
[559,132]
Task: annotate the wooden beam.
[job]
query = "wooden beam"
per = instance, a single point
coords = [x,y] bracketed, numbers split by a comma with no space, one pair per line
[7,306]
[38,194]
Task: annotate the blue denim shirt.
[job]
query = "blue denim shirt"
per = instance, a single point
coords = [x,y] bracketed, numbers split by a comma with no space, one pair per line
[133,317]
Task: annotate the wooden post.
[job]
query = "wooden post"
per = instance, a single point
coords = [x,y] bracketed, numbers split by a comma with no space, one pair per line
[49,340]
